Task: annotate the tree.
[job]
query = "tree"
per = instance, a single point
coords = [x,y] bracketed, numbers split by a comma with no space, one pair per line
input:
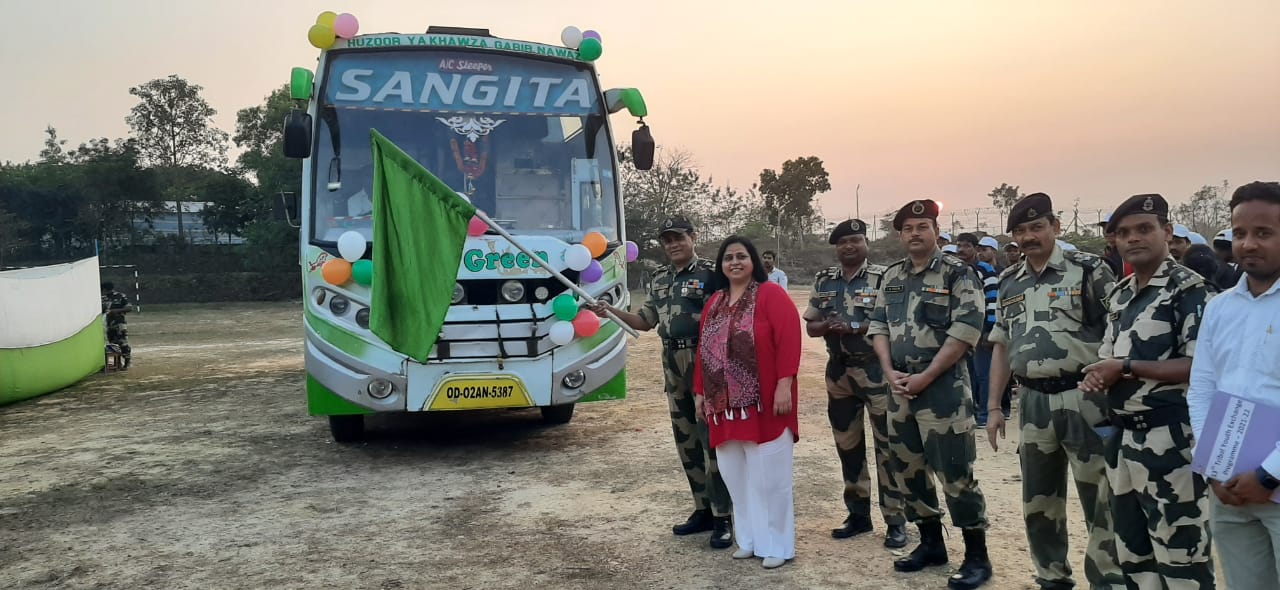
[259,133]
[173,127]
[1004,196]
[53,152]
[788,195]
[1207,211]
[12,230]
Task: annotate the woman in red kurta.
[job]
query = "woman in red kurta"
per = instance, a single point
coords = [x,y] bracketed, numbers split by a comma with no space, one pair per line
[745,387]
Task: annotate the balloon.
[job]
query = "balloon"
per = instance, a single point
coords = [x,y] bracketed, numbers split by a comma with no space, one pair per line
[586,324]
[591,35]
[336,271]
[565,307]
[346,25]
[593,272]
[351,245]
[590,49]
[596,243]
[571,36]
[362,272]
[633,251]
[321,37]
[327,18]
[561,333]
[577,257]
[477,227]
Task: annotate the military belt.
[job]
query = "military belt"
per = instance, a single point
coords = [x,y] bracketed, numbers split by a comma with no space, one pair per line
[1057,385]
[680,343]
[1166,416]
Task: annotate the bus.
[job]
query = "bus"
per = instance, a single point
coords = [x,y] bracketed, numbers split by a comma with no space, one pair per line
[522,130]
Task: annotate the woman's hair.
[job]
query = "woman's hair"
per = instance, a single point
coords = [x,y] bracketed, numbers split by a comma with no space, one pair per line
[1201,259]
[757,265]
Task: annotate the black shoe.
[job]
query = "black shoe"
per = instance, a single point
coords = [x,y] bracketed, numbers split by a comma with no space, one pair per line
[931,551]
[853,526]
[699,522]
[895,537]
[722,533]
[976,568]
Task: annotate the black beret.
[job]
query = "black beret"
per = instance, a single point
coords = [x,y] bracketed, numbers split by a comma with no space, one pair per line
[1029,208]
[917,209]
[678,223]
[847,228]
[1151,204]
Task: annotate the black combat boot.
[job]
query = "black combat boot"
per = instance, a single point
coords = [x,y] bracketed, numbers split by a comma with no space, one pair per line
[721,532]
[895,537]
[976,569]
[853,526]
[931,551]
[699,521]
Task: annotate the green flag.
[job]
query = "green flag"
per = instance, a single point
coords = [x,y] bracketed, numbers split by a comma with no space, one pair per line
[419,229]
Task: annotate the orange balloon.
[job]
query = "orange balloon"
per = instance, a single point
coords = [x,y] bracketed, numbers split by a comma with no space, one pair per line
[596,243]
[336,271]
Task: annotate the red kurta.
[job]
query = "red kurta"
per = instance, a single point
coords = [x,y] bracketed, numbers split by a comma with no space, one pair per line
[777,339]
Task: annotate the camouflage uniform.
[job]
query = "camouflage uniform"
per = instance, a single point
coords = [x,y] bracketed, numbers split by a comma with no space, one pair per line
[1052,325]
[117,324]
[674,306]
[855,383]
[1160,507]
[933,432]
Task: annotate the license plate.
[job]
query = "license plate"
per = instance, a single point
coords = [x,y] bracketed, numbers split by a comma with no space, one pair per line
[477,392]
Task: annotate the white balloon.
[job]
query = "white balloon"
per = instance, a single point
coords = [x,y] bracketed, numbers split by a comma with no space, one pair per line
[571,36]
[577,257]
[351,245]
[561,333]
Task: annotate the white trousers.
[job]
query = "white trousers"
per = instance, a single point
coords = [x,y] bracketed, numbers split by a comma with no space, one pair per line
[759,479]
[1248,543]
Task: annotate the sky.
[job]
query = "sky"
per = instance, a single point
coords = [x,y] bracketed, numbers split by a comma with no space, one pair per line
[1087,99]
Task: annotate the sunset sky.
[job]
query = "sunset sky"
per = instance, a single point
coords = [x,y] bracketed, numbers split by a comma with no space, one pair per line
[1084,98]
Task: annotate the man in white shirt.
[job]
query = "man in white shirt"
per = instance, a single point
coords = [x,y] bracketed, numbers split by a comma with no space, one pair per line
[1239,354]
[769,257]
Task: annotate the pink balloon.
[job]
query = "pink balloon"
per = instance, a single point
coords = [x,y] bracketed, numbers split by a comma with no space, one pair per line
[477,227]
[586,324]
[346,25]
[593,272]
[633,251]
[591,35]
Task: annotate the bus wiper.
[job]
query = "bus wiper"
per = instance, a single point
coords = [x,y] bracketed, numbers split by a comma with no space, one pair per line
[594,123]
[330,117]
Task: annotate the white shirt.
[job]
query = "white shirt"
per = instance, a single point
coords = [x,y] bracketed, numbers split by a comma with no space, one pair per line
[1238,352]
[779,277]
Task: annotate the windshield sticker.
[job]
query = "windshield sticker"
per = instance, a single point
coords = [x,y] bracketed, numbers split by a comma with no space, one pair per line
[471,127]
[383,81]
[382,41]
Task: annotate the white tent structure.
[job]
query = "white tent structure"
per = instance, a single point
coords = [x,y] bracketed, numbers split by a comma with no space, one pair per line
[52,332]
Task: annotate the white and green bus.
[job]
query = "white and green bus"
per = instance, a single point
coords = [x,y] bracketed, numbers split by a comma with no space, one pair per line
[522,129]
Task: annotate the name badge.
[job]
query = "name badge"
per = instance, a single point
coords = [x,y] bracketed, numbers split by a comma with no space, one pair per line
[1012,300]
[894,289]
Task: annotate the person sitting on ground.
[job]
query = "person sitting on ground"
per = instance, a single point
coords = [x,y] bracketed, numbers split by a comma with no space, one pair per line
[115,305]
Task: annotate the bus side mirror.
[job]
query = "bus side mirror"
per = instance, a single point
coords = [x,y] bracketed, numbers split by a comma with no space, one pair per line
[642,147]
[297,134]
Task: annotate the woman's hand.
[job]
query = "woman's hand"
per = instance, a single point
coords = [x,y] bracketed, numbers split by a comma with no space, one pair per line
[697,408]
[782,398]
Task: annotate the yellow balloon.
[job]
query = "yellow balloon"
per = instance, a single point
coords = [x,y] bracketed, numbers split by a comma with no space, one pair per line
[326,18]
[321,36]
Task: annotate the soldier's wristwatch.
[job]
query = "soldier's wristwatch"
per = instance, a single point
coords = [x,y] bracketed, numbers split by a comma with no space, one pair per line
[1127,371]
[855,326]
[1266,479]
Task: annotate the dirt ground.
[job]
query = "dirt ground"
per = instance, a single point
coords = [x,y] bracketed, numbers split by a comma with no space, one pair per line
[199,468]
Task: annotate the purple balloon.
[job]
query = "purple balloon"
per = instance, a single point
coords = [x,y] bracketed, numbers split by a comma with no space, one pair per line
[633,251]
[592,35]
[593,272]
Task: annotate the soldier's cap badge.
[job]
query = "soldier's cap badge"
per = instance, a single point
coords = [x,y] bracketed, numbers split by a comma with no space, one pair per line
[917,207]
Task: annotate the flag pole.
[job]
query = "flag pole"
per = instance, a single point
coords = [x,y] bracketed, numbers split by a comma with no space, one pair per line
[555,273]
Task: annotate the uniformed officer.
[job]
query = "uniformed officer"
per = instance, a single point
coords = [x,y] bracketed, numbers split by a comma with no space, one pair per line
[839,304]
[115,305]
[674,306]
[1049,322]
[928,315]
[1159,506]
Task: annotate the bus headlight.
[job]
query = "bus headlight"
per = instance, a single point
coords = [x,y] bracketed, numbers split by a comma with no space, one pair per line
[575,379]
[362,318]
[513,291]
[339,305]
[541,293]
[380,389]
[458,293]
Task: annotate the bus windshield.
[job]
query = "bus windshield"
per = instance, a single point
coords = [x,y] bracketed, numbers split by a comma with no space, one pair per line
[524,138]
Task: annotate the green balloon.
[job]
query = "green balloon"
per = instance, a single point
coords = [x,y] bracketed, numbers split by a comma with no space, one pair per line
[565,307]
[362,272]
[590,49]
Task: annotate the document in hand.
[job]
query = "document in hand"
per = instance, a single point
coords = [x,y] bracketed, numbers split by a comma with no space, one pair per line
[1238,435]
